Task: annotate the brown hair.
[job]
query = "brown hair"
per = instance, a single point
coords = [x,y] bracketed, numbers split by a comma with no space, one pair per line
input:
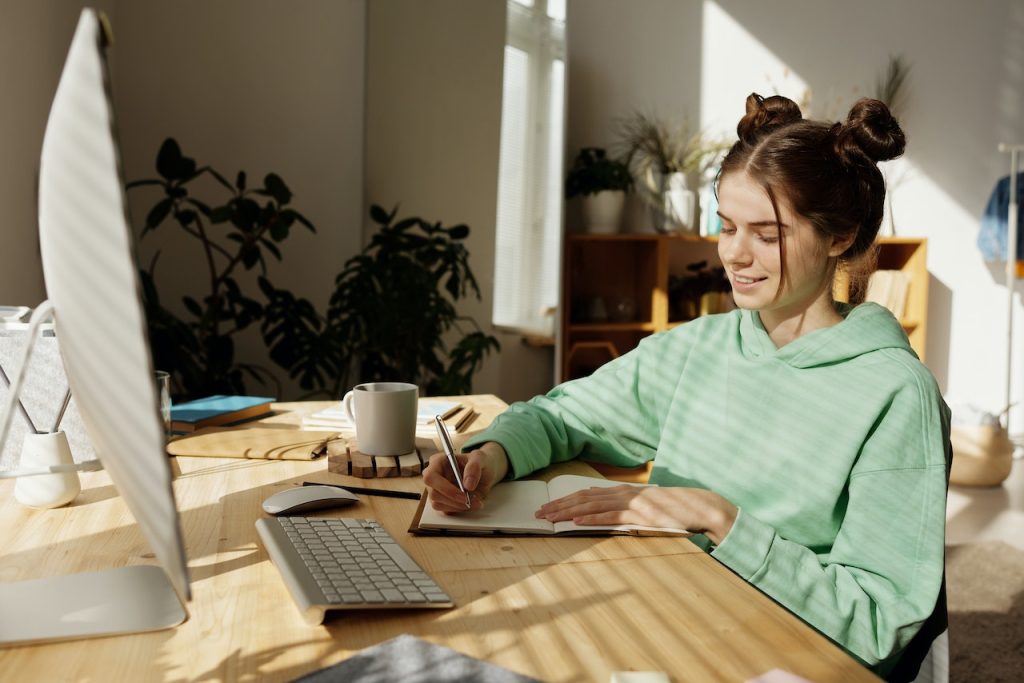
[827,172]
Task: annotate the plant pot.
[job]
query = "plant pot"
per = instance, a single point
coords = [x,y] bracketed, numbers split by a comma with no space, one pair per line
[674,204]
[602,212]
[982,455]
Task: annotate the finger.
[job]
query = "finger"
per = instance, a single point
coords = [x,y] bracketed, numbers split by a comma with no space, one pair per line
[581,509]
[439,478]
[455,505]
[609,518]
[473,472]
[623,494]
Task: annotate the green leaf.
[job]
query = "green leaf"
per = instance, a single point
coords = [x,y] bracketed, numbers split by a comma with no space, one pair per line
[140,183]
[193,306]
[459,232]
[272,248]
[221,214]
[277,189]
[279,230]
[247,214]
[302,219]
[240,181]
[405,224]
[158,213]
[168,159]
[250,256]
[379,215]
[185,217]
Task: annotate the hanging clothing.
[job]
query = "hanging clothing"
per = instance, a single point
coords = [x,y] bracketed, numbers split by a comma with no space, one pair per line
[992,238]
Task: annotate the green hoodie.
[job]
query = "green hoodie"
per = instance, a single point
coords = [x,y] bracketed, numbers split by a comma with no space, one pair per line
[834,448]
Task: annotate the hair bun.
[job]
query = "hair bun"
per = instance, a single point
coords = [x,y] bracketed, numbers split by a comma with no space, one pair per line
[764,115]
[872,131]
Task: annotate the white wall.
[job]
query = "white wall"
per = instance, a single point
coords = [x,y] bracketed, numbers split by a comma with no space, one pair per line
[253,85]
[966,93]
[34,39]
[433,121]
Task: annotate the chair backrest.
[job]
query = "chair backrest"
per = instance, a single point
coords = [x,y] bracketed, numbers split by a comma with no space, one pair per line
[926,658]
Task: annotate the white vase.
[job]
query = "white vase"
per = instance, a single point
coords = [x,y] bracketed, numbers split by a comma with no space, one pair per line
[674,205]
[46,490]
[602,212]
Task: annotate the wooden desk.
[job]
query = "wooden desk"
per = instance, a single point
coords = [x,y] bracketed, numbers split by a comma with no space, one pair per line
[570,609]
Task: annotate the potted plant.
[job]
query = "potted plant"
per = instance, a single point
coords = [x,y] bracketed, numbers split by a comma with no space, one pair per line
[661,156]
[233,234]
[393,308]
[389,317]
[603,183]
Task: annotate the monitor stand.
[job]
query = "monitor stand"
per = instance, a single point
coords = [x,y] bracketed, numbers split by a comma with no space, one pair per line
[88,605]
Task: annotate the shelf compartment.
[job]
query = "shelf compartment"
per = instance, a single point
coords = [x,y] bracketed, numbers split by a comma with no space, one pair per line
[613,327]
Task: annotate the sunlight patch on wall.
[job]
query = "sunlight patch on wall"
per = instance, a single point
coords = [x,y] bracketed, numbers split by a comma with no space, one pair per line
[728,51]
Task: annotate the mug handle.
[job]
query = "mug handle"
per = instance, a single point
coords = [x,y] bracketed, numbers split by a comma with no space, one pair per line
[346,403]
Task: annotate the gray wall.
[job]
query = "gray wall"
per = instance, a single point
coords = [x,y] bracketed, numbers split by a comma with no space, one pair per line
[34,39]
[249,85]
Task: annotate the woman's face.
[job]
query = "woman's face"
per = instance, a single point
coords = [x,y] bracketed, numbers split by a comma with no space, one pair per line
[749,249]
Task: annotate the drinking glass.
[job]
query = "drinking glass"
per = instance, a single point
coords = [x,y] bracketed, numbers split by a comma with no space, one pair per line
[163,390]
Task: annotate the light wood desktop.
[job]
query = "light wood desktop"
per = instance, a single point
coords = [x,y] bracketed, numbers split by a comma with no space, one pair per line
[558,609]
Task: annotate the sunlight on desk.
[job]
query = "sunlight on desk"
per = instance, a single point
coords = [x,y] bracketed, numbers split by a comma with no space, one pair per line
[562,610]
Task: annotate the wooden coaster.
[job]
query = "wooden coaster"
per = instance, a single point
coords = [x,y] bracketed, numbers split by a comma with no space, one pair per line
[346,459]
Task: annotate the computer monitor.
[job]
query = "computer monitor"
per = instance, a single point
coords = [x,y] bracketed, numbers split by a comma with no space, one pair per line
[93,287]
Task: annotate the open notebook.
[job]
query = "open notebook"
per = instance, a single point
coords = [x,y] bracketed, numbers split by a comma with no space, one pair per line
[510,509]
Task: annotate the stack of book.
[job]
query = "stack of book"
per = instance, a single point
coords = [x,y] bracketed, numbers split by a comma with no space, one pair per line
[453,412]
[217,411]
[889,288]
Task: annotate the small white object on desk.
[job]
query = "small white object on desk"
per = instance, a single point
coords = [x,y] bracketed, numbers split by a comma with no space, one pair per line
[47,490]
[306,499]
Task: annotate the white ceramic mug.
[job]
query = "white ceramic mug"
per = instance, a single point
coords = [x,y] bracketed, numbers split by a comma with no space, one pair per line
[385,417]
[46,490]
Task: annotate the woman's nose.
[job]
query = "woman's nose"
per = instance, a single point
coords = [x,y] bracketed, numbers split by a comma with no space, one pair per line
[734,250]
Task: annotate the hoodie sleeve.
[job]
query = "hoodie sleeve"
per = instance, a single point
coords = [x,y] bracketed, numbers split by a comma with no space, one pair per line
[871,591]
[612,416]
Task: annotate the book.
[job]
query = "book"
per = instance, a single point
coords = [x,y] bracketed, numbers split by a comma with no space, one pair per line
[889,288]
[217,410]
[268,443]
[510,509]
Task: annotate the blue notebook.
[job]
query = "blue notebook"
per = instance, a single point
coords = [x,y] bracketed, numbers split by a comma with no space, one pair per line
[217,410]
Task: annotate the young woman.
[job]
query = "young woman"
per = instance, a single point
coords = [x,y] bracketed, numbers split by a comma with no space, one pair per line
[801,439]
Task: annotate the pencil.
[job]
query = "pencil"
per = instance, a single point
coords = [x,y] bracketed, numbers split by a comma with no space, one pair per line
[386,493]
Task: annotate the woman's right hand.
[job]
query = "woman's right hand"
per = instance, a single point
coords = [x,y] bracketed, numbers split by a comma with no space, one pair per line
[480,470]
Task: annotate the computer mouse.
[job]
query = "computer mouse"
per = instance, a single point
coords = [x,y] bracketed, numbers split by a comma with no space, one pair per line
[306,498]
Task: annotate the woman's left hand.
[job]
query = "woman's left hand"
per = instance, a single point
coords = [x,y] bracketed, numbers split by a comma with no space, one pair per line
[697,510]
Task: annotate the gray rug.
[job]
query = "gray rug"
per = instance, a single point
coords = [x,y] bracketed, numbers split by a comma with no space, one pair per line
[985,590]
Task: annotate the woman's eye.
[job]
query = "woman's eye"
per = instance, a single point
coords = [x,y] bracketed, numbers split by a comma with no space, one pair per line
[769,239]
[727,230]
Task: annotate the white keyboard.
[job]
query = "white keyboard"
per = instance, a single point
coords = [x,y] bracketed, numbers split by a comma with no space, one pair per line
[343,563]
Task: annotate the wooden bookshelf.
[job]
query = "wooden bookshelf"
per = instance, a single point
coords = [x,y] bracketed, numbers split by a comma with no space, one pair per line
[629,275]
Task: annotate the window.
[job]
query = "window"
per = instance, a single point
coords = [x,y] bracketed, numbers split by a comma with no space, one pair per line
[529,220]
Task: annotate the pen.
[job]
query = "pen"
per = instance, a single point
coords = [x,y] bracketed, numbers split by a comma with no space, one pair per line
[449,451]
[387,493]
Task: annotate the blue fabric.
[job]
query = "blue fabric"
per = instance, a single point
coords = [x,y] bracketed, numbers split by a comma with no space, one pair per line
[992,236]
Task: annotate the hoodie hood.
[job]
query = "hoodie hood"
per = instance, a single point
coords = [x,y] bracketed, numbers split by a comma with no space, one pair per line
[865,328]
